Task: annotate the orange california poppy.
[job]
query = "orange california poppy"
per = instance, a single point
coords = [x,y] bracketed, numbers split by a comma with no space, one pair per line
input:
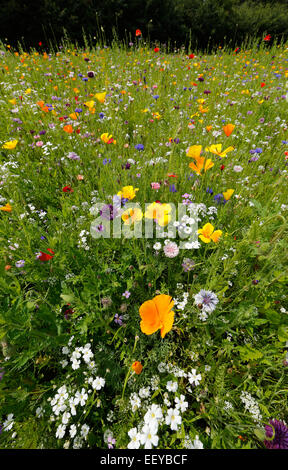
[68,129]
[6,208]
[157,314]
[228,129]
[137,367]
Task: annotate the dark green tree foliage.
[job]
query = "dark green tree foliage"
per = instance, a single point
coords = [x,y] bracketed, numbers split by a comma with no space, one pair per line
[198,22]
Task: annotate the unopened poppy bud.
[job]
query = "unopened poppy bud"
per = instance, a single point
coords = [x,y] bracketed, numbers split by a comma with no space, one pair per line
[137,367]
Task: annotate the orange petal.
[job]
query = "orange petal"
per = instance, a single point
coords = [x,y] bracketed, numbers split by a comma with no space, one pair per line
[168,323]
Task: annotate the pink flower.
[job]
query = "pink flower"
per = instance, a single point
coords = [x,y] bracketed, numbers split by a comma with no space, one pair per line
[39,143]
[171,250]
[155,185]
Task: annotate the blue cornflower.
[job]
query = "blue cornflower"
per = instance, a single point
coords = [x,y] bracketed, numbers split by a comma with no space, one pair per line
[139,147]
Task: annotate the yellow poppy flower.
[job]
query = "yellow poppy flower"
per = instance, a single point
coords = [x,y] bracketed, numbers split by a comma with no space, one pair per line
[100,97]
[128,192]
[159,212]
[227,194]
[194,151]
[108,139]
[207,233]
[130,216]
[217,150]
[10,145]
[90,104]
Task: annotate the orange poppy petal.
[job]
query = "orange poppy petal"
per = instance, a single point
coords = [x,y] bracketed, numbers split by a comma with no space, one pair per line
[216,235]
[150,318]
[168,323]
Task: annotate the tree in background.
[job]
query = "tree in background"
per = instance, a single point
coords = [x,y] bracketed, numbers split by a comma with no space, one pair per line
[200,22]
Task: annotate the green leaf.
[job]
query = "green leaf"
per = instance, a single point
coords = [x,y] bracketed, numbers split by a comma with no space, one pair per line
[247,353]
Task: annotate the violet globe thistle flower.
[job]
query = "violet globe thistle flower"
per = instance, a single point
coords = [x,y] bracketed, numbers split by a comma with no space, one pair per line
[188,264]
[277,433]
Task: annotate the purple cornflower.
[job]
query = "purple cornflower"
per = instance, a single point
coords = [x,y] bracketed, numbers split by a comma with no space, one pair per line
[253,159]
[209,190]
[278,433]
[172,188]
[118,319]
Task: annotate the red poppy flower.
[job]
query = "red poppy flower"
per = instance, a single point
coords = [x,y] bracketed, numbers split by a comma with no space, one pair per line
[268,37]
[156,49]
[40,43]
[67,189]
[191,56]
[263,84]
[222,167]
[138,32]
[45,256]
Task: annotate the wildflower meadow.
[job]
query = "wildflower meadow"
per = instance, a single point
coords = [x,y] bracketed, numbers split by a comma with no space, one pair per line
[144,223]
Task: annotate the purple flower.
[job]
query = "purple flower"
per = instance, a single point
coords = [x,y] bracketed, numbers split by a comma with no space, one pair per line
[126,294]
[139,147]
[118,319]
[108,212]
[73,156]
[172,188]
[219,198]
[278,431]
[188,264]
[20,264]
[91,74]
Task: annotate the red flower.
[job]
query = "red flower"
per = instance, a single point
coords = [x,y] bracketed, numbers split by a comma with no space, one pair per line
[156,49]
[222,167]
[67,189]
[268,37]
[138,32]
[263,84]
[40,43]
[191,56]
[45,256]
